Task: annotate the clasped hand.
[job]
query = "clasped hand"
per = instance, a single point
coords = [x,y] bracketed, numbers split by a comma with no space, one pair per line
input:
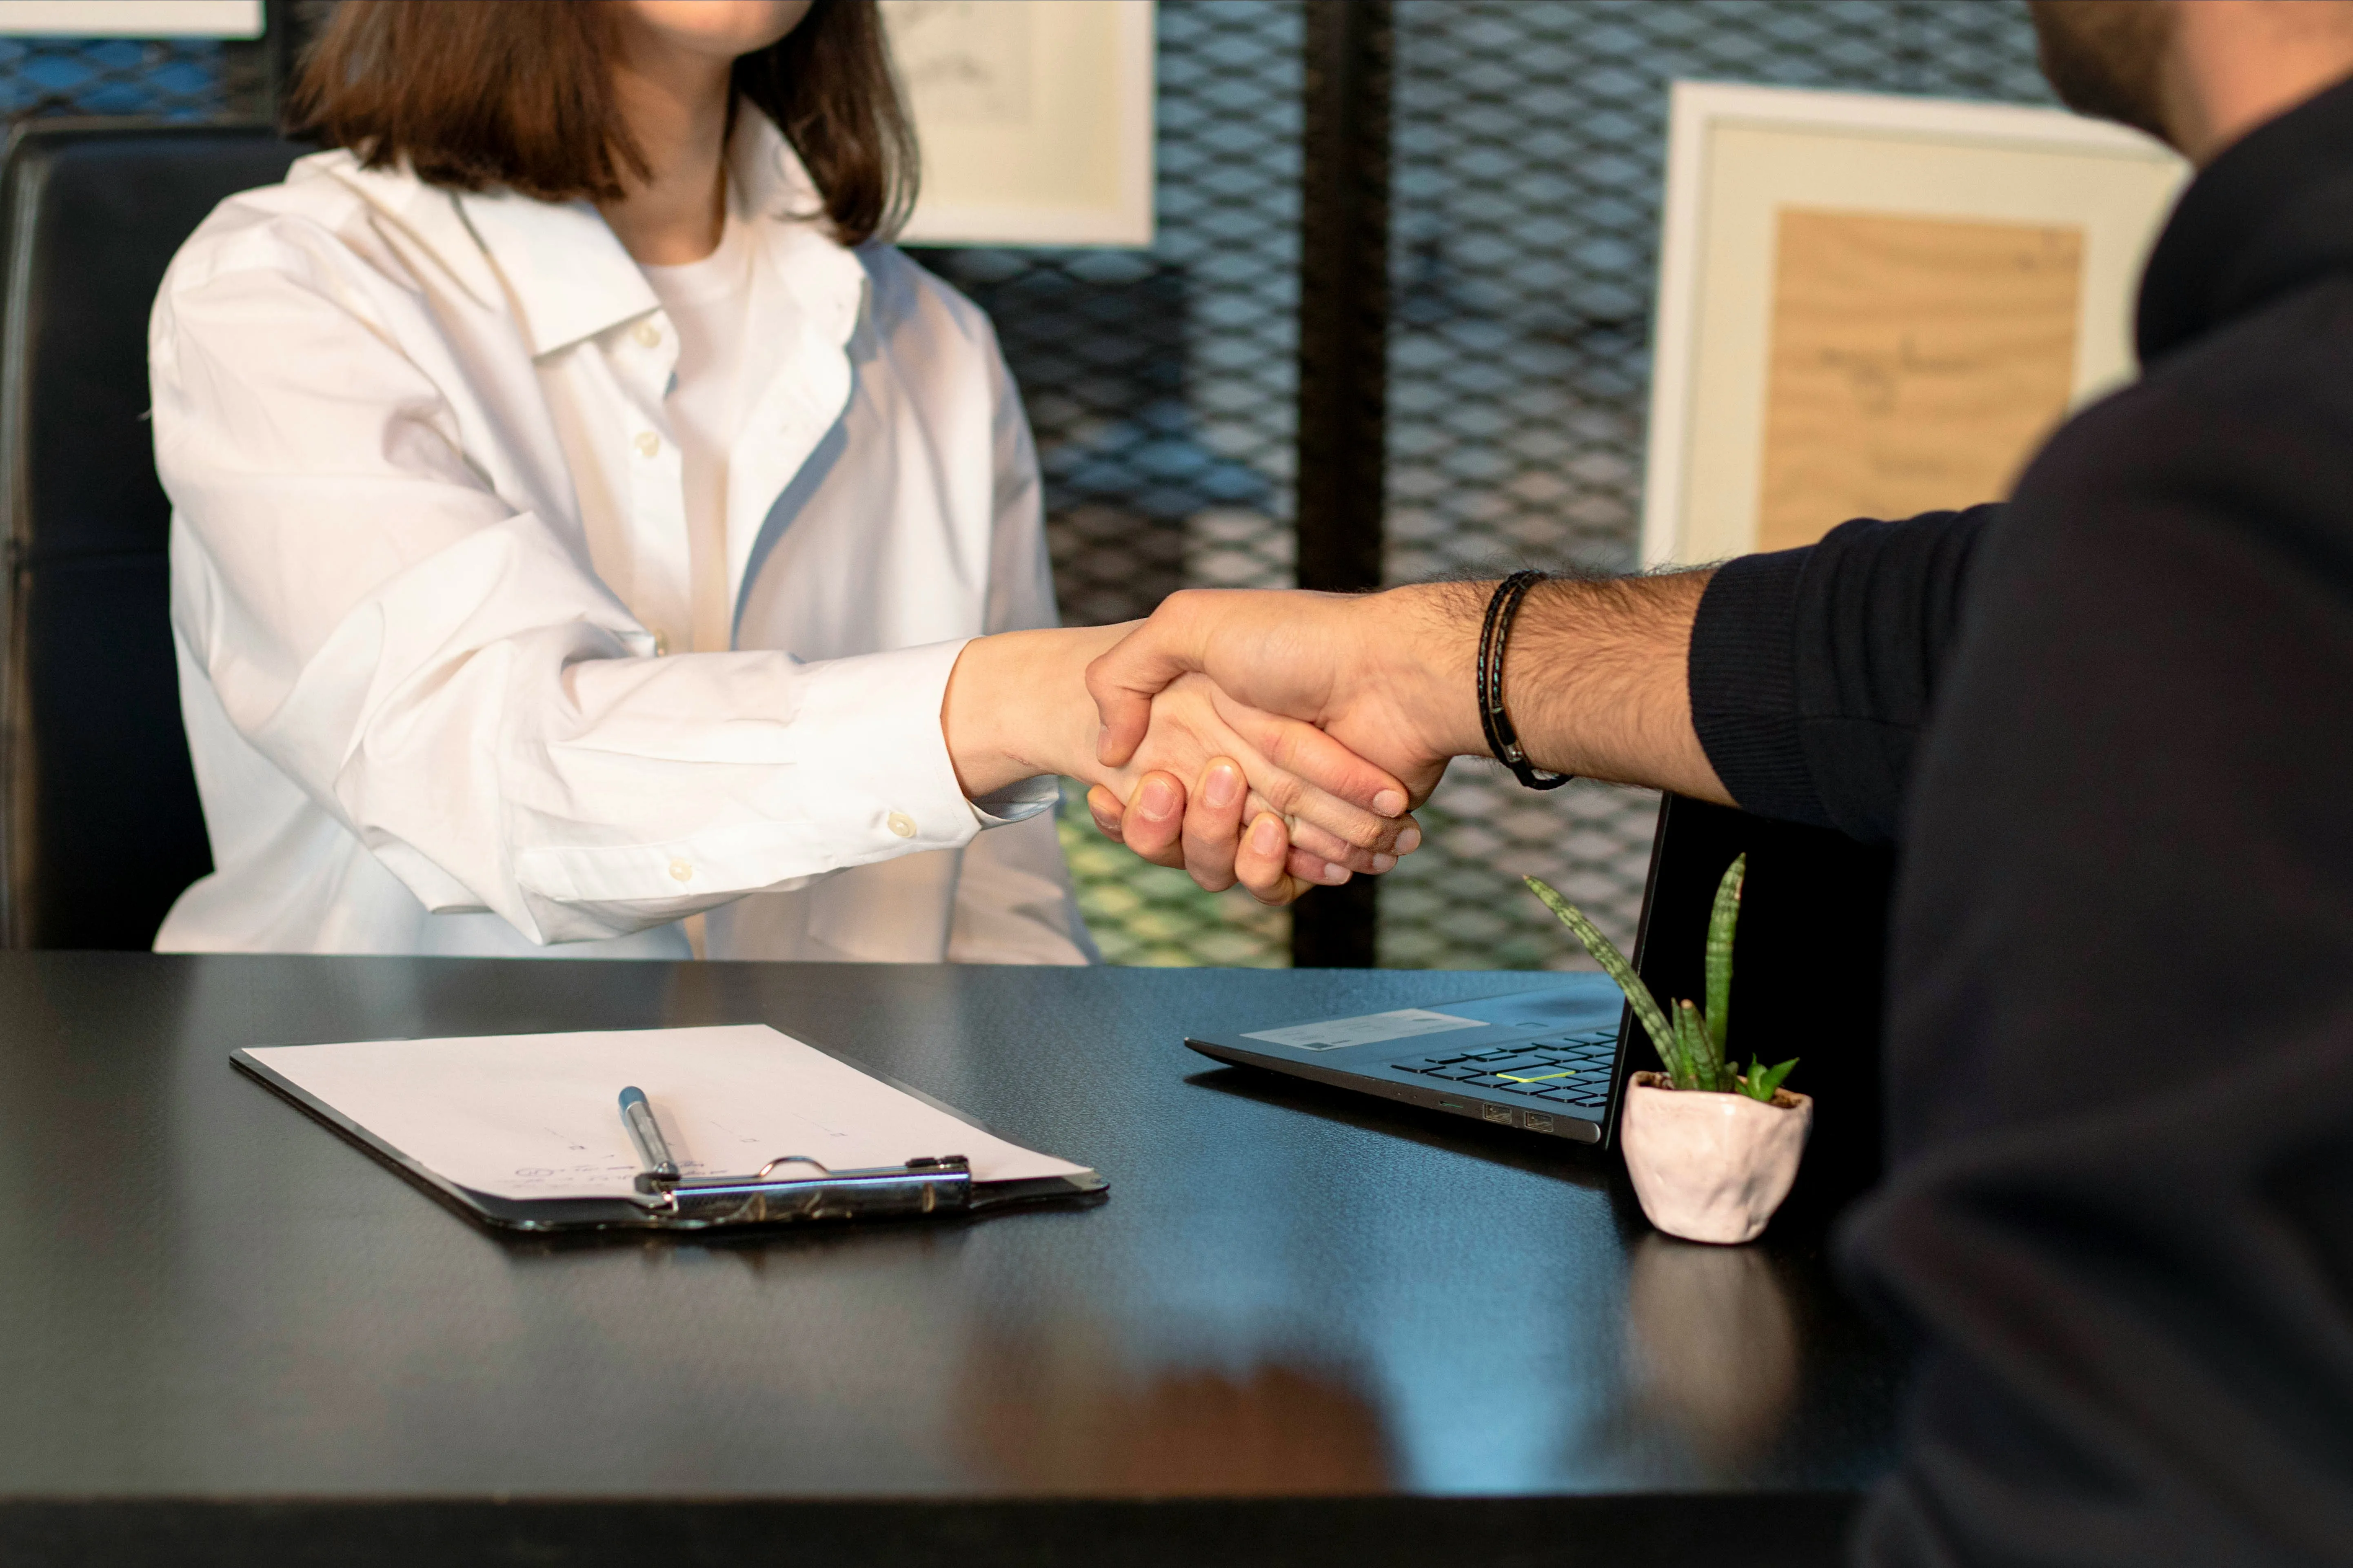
[1365,686]
[1231,792]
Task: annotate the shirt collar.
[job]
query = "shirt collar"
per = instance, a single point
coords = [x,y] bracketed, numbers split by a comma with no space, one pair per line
[775,193]
[2272,213]
[565,270]
[571,278]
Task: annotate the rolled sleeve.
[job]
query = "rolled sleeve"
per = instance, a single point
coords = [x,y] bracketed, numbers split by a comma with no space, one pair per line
[1813,672]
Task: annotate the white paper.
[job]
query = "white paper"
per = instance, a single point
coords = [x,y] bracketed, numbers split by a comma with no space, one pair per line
[1370,1030]
[538,1116]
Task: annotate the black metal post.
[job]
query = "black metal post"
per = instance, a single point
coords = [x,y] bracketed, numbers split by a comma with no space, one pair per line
[1343,273]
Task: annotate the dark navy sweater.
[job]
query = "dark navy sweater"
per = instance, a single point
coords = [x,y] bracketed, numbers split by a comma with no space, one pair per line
[2110,726]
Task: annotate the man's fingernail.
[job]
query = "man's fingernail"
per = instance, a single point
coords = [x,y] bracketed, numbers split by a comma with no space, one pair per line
[1409,841]
[1225,786]
[1388,802]
[1383,862]
[1159,798]
[1334,874]
[1266,835]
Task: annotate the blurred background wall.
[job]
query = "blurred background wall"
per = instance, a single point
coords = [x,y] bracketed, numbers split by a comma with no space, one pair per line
[1522,142]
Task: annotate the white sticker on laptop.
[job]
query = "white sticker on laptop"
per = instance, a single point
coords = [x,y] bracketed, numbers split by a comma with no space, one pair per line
[1370,1030]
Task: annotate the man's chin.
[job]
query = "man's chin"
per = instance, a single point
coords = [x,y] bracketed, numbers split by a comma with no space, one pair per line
[2106,58]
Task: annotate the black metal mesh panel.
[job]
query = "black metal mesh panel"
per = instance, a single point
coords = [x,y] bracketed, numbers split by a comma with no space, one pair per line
[1161,386]
[1530,140]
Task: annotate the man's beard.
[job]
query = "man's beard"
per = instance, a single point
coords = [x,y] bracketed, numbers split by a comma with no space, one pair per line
[2106,58]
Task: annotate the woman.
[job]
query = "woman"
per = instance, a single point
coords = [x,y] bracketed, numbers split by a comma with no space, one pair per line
[580,519]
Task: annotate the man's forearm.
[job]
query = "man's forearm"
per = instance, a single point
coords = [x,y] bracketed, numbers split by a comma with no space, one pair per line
[1594,674]
[1596,679]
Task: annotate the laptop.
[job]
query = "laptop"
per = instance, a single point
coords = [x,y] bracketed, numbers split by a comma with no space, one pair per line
[1551,1060]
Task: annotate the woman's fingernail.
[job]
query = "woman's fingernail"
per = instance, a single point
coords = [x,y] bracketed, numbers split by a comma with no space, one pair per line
[1266,835]
[1388,802]
[1409,841]
[1225,786]
[1334,874]
[1383,863]
[1159,798]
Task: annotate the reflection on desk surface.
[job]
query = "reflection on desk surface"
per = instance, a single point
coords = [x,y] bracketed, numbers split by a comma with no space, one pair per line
[1712,1345]
[1061,1410]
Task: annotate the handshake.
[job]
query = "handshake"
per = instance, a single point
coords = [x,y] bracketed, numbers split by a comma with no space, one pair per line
[1280,740]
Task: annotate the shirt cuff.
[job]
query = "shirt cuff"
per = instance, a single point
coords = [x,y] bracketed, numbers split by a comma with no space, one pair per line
[1019,802]
[1744,695]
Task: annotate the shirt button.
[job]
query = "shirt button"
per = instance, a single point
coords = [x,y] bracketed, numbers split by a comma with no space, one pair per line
[647,333]
[901,823]
[681,870]
[647,443]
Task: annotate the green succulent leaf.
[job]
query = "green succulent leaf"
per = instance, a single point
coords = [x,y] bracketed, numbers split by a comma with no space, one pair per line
[1613,964]
[1698,1051]
[1711,1069]
[1760,1081]
[1721,921]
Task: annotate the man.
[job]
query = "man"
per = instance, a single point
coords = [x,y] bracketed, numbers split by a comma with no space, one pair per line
[2111,724]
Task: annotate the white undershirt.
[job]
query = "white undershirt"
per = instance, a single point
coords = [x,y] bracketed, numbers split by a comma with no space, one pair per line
[708,302]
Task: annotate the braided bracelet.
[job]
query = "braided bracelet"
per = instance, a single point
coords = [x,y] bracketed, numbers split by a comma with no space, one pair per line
[1501,739]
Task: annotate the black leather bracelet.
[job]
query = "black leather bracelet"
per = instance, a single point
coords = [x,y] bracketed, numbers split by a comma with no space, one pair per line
[1501,739]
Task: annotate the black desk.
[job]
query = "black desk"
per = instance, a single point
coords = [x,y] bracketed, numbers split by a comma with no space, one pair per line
[1304,1328]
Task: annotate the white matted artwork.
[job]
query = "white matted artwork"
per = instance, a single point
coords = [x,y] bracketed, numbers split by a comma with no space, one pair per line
[133,18]
[1034,118]
[1873,306]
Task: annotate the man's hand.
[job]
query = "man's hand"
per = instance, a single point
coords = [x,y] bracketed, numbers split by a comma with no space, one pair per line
[1389,676]
[1016,706]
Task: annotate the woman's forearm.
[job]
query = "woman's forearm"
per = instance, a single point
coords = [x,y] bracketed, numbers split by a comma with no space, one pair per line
[1016,707]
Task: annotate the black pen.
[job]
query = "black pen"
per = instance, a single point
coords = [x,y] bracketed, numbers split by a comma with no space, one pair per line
[646,1133]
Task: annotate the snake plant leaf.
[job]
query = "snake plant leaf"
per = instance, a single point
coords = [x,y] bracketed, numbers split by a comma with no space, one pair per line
[1613,963]
[1709,1070]
[1721,920]
[1690,1036]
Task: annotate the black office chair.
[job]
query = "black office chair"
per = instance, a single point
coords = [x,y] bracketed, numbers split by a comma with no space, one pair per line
[100,827]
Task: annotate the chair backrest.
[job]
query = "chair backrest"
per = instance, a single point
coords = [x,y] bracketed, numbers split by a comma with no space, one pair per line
[99,826]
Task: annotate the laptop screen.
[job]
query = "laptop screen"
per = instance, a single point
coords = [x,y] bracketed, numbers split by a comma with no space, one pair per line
[1807,965]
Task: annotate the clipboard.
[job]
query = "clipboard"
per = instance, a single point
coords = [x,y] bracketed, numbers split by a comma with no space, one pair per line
[789,1187]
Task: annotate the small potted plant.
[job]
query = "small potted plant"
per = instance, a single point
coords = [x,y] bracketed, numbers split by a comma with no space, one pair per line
[1712,1148]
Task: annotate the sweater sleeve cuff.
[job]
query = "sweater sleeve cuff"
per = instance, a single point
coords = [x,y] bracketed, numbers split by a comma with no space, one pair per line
[1744,694]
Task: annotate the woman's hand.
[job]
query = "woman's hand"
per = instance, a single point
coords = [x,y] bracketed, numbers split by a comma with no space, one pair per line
[1205,832]
[1017,708]
[1246,816]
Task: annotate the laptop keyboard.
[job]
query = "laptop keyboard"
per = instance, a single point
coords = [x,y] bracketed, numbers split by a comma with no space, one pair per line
[1563,1069]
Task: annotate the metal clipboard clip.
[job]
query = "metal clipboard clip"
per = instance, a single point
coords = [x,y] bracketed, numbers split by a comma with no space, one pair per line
[927,1185]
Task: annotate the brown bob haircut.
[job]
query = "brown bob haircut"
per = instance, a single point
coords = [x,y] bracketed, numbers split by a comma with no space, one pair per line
[474,93]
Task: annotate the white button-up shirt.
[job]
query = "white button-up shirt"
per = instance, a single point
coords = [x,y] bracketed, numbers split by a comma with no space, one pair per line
[430,549]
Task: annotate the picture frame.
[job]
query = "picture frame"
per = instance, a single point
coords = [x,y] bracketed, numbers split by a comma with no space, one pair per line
[1875,306]
[1034,118]
[133,18]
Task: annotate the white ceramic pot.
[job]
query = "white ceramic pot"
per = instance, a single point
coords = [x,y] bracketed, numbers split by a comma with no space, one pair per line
[1711,1167]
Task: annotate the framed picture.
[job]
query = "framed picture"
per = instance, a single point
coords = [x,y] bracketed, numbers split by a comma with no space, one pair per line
[1035,118]
[133,18]
[1874,307]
